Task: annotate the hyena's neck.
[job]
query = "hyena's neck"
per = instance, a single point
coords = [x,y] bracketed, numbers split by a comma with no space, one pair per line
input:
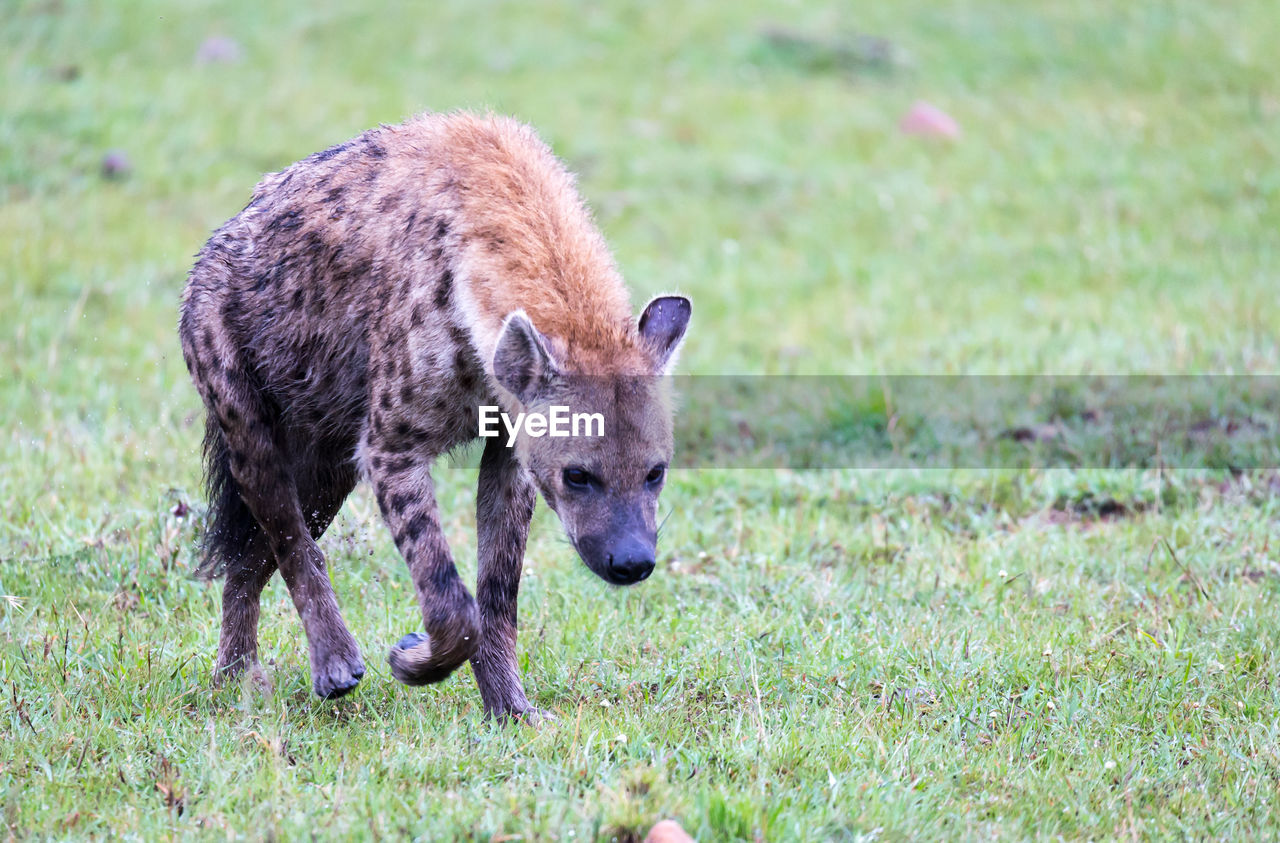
[527,242]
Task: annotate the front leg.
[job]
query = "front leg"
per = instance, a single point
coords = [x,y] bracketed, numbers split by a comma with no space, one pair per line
[406,495]
[504,508]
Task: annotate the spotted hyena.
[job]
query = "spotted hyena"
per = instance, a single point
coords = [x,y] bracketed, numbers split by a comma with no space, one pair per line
[350,322]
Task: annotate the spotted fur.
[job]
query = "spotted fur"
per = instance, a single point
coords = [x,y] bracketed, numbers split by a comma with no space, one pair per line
[350,321]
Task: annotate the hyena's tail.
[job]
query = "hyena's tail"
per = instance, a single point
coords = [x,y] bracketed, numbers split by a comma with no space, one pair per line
[229,526]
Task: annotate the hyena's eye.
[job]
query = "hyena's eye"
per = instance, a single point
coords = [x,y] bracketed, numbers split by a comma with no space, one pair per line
[577,478]
[655,475]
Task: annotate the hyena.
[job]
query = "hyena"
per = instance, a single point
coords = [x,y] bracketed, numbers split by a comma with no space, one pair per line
[349,323]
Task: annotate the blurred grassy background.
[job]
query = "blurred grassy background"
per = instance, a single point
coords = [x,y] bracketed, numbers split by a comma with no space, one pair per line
[1110,207]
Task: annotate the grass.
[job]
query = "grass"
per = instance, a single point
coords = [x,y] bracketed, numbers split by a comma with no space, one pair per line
[822,655]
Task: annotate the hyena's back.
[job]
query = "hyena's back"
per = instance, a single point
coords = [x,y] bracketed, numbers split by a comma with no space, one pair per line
[294,282]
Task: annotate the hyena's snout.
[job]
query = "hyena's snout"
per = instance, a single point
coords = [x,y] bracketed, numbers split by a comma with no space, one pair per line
[621,559]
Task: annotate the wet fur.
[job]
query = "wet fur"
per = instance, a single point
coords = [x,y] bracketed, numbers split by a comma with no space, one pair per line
[344,325]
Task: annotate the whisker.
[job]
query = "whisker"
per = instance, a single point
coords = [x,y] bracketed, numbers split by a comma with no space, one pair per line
[658,532]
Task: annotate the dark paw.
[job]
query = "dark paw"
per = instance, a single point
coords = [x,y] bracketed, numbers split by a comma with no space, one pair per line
[412,640]
[414,659]
[336,676]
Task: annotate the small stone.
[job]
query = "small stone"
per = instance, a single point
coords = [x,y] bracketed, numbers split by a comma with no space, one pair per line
[218,49]
[667,831]
[929,120]
[116,165]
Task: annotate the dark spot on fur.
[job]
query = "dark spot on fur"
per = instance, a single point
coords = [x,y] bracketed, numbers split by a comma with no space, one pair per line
[325,155]
[400,465]
[442,228]
[390,201]
[290,220]
[444,290]
[375,150]
[459,336]
[399,501]
[415,319]
[313,243]
[445,577]
[239,382]
[385,401]
[415,526]
[298,299]
[406,394]
[231,310]
[413,219]
[335,194]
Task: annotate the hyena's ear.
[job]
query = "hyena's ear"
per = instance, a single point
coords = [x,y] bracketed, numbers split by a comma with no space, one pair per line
[662,326]
[522,362]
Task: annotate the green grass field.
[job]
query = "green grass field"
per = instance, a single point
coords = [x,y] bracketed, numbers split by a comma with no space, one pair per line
[933,654]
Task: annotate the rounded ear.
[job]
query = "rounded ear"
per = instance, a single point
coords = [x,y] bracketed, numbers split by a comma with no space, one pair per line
[522,365]
[662,327]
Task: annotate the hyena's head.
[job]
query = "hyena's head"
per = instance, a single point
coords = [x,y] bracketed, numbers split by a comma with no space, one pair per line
[604,477]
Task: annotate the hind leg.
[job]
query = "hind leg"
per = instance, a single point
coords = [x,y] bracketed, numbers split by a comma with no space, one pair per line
[336,666]
[321,494]
[260,465]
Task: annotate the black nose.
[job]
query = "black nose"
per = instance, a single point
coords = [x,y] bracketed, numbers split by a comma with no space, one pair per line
[627,568]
